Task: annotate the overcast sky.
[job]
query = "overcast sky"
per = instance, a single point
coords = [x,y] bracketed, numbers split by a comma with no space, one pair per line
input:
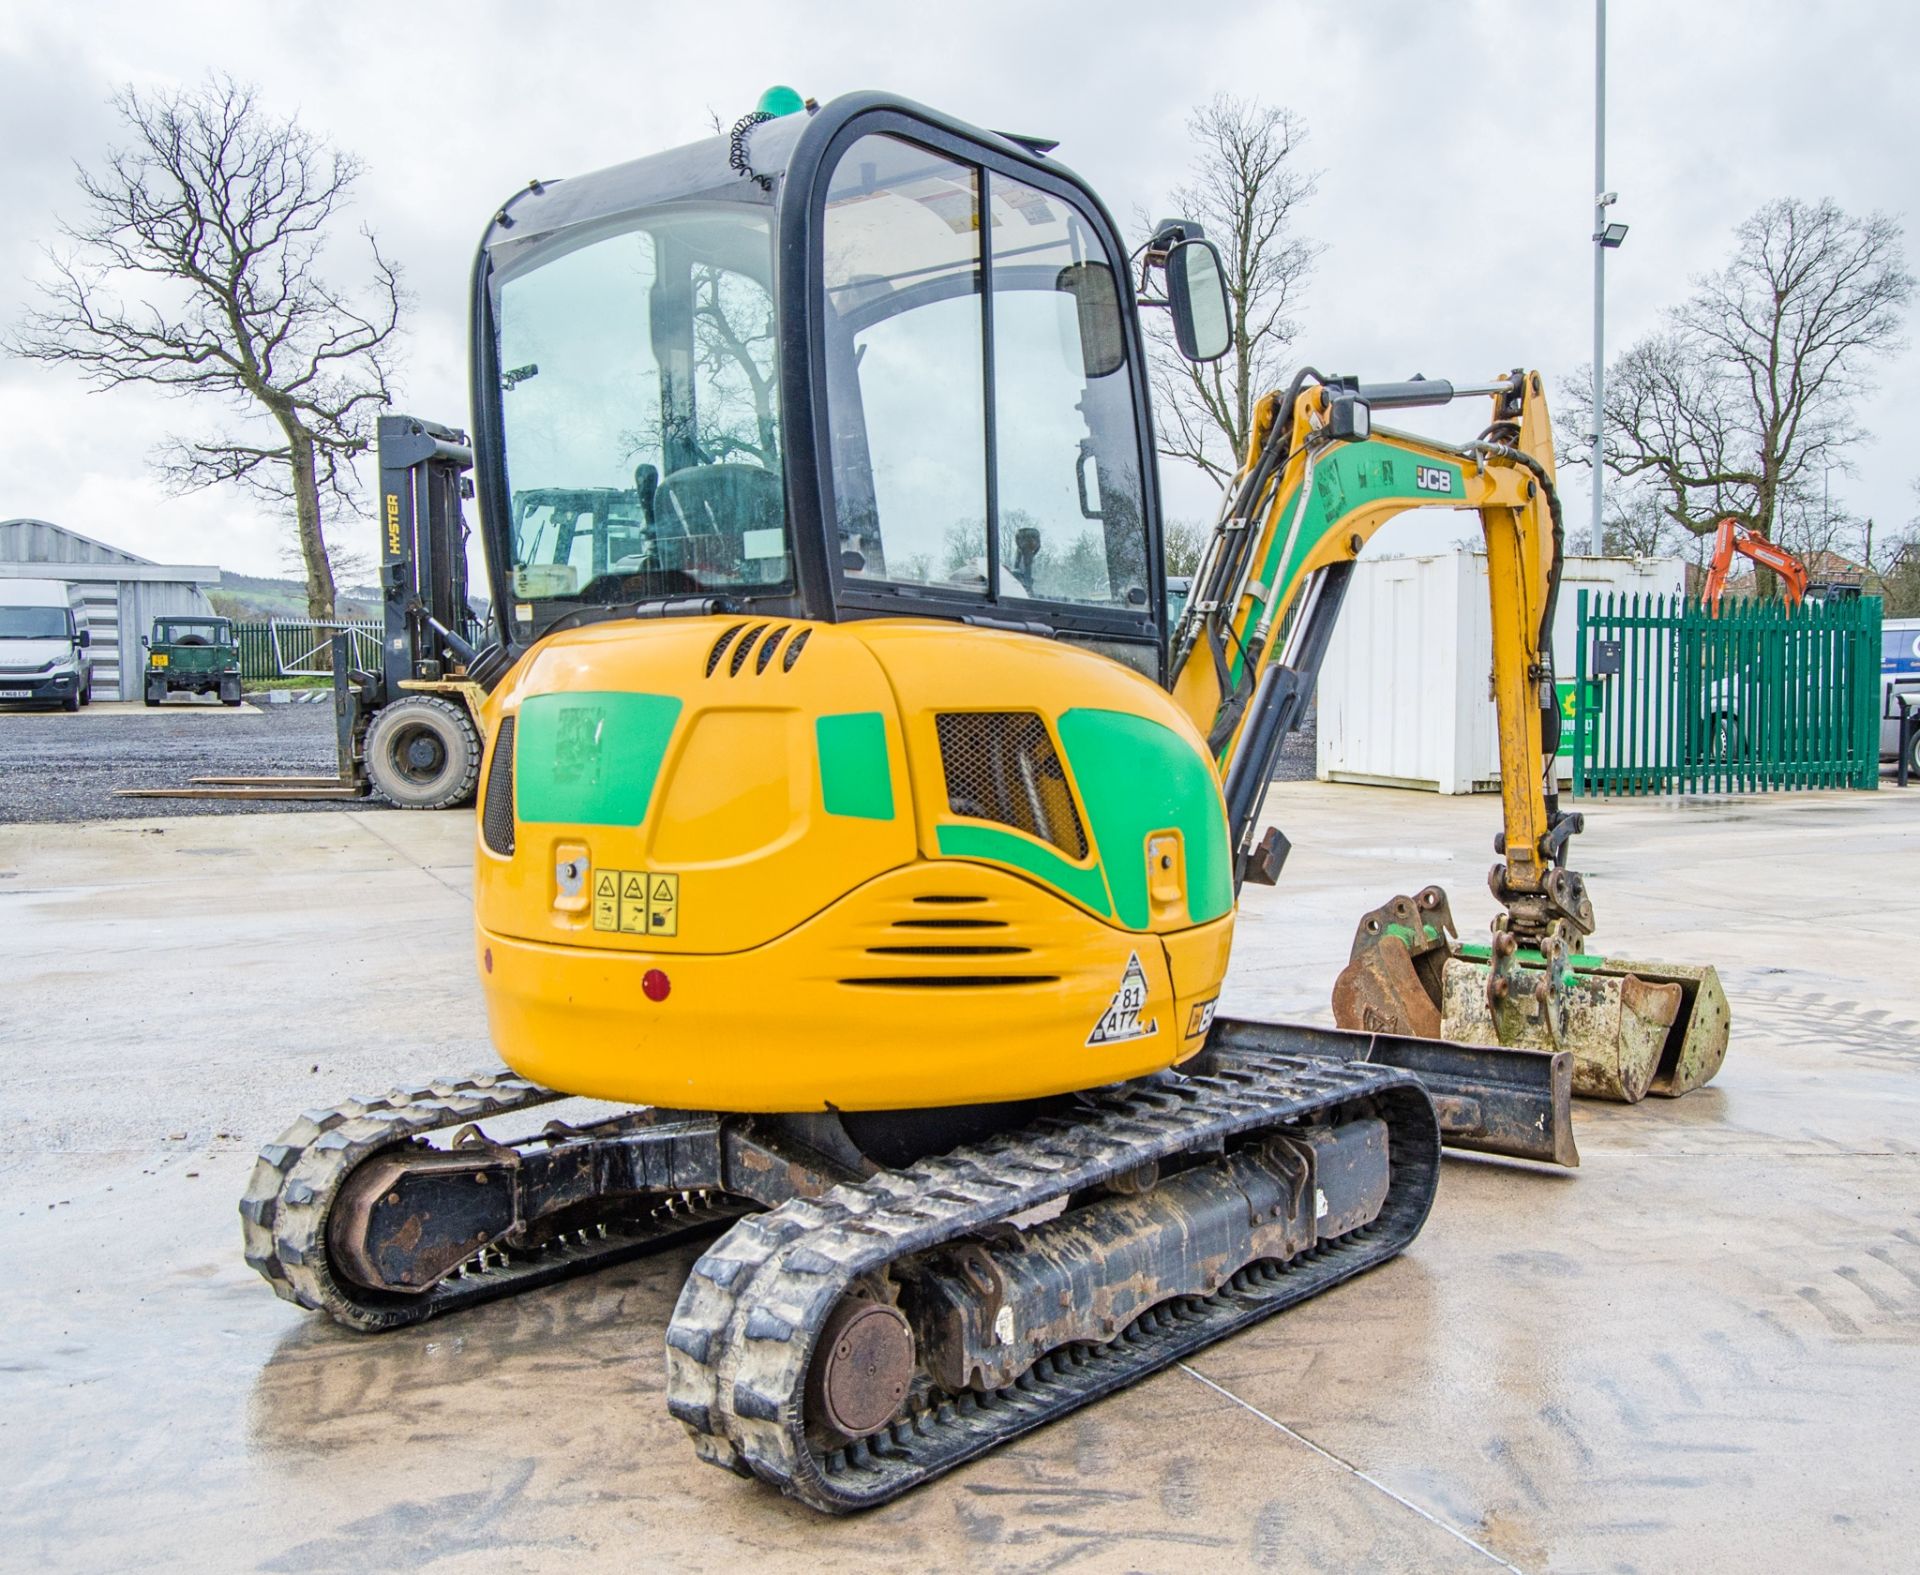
[1454,142]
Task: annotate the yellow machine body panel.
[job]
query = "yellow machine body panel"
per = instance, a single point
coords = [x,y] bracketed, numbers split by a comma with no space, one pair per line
[879,865]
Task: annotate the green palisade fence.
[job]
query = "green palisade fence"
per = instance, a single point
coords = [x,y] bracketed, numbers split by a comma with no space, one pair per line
[301,637]
[1753,699]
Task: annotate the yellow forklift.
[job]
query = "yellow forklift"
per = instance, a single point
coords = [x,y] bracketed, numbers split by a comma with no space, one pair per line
[850,813]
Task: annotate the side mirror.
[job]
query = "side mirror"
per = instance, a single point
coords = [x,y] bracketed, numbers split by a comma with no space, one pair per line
[86,638]
[1197,293]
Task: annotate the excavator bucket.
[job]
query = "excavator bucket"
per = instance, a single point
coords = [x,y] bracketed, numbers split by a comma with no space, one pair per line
[1632,1028]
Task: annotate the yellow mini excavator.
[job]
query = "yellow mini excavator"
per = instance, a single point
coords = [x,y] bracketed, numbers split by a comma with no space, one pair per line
[852,815]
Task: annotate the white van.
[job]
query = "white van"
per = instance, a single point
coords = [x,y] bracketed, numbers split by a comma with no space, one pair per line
[43,653]
[1899,674]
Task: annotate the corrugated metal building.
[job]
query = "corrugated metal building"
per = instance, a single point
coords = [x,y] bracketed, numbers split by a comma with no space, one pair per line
[115,594]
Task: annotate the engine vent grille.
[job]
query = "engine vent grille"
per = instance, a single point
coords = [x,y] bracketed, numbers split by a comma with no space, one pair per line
[496,820]
[743,641]
[1002,766]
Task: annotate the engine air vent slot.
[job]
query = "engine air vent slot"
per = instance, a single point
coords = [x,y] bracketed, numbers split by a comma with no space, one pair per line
[1001,766]
[954,981]
[496,818]
[949,924]
[768,646]
[950,898]
[720,647]
[793,650]
[934,949]
[744,649]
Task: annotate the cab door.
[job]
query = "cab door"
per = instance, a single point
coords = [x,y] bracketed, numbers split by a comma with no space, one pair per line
[984,450]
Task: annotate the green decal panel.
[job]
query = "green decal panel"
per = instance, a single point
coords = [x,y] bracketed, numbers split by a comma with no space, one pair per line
[854,776]
[592,758]
[1351,477]
[1084,886]
[1135,777]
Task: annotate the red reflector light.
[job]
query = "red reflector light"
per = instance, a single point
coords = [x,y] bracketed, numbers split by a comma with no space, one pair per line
[655,985]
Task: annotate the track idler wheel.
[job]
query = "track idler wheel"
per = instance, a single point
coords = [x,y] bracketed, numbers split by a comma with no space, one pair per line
[862,1368]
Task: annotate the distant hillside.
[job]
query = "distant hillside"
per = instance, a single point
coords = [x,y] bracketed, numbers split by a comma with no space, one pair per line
[254,600]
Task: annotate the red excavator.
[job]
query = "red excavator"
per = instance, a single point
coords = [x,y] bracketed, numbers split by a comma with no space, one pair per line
[1732,537]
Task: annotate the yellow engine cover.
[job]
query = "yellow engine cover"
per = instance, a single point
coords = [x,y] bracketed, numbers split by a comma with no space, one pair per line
[879,865]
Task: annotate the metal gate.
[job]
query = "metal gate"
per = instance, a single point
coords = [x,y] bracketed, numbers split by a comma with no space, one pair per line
[1670,697]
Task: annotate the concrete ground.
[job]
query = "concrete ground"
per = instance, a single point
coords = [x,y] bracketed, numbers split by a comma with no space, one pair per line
[1700,1351]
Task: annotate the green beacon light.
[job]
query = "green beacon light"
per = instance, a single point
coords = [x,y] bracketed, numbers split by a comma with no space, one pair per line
[781,100]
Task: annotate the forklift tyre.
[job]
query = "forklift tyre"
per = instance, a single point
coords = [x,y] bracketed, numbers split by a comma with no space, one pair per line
[423,752]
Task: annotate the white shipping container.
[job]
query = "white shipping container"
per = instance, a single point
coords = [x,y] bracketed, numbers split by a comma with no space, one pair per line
[1405,695]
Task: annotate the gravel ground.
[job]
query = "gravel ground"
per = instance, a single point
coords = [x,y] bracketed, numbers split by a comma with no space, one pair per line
[55,767]
[1296,762]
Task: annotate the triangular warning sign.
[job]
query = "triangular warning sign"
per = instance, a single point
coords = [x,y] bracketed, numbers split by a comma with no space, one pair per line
[634,891]
[1121,1020]
[606,885]
[662,890]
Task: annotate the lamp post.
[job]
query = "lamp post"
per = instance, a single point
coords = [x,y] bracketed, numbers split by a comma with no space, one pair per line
[1606,238]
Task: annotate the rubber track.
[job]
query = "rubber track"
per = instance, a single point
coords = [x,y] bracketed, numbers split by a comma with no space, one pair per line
[742,1337]
[283,1213]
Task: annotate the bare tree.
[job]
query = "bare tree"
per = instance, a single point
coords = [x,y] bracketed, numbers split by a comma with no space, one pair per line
[1748,393]
[194,268]
[1896,578]
[1184,540]
[1245,189]
[1636,526]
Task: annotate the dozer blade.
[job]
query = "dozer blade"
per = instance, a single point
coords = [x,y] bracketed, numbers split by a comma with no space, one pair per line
[1488,1098]
[1633,1028]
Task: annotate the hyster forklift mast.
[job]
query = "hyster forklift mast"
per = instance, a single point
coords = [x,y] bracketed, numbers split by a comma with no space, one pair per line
[420,708]
[408,726]
[847,813]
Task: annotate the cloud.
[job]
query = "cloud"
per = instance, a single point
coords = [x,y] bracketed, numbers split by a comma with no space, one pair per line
[1454,143]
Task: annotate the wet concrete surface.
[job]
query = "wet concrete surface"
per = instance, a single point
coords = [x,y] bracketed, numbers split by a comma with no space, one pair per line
[1700,1351]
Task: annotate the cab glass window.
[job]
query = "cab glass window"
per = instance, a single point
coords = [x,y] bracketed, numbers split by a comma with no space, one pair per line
[980,403]
[638,397]
[1071,525]
[905,366]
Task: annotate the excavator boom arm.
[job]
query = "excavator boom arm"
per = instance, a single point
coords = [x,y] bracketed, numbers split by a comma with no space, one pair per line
[1731,537]
[1319,481]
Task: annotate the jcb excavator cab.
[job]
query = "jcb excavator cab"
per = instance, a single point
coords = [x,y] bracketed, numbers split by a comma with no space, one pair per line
[761,424]
[858,362]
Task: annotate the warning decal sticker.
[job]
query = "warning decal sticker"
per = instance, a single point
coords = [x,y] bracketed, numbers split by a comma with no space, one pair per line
[636,902]
[1121,1020]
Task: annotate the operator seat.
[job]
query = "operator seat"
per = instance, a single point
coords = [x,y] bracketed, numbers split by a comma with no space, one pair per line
[711,508]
